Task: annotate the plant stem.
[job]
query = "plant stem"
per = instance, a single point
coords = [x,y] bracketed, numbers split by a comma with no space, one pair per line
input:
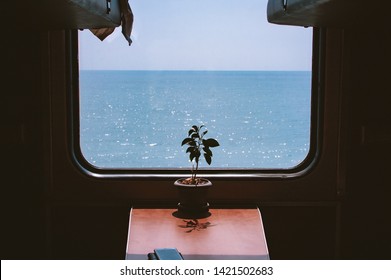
[195,173]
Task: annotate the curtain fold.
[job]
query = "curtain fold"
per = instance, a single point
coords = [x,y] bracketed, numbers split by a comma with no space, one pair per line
[126,24]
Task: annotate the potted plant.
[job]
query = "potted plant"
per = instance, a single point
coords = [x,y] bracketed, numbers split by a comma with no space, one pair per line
[193,190]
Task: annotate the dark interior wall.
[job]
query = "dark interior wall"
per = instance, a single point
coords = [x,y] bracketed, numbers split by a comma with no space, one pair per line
[366,215]
[34,226]
[22,186]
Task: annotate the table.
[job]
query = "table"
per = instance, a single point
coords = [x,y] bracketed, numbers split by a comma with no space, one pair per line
[226,234]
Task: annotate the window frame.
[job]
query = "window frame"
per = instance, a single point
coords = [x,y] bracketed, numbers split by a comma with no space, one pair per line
[300,170]
[67,182]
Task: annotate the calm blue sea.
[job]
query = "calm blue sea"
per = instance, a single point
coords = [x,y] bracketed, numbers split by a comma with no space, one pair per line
[137,119]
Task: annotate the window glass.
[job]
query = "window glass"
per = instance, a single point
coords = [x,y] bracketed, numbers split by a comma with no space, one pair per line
[216,63]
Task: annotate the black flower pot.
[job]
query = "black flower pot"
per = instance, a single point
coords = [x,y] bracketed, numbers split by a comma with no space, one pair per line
[193,199]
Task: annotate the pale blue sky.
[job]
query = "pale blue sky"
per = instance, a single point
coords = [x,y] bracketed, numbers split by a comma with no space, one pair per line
[200,35]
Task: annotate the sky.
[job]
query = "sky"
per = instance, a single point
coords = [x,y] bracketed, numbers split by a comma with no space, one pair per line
[199,35]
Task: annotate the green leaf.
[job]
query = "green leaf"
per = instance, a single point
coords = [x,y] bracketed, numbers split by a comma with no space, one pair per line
[203,133]
[210,142]
[196,129]
[208,158]
[191,131]
[189,141]
[191,157]
[194,154]
[207,151]
[195,135]
[192,143]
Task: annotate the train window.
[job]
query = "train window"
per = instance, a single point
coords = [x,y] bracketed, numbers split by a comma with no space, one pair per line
[191,63]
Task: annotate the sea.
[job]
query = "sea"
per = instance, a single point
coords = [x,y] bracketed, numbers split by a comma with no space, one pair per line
[138,119]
